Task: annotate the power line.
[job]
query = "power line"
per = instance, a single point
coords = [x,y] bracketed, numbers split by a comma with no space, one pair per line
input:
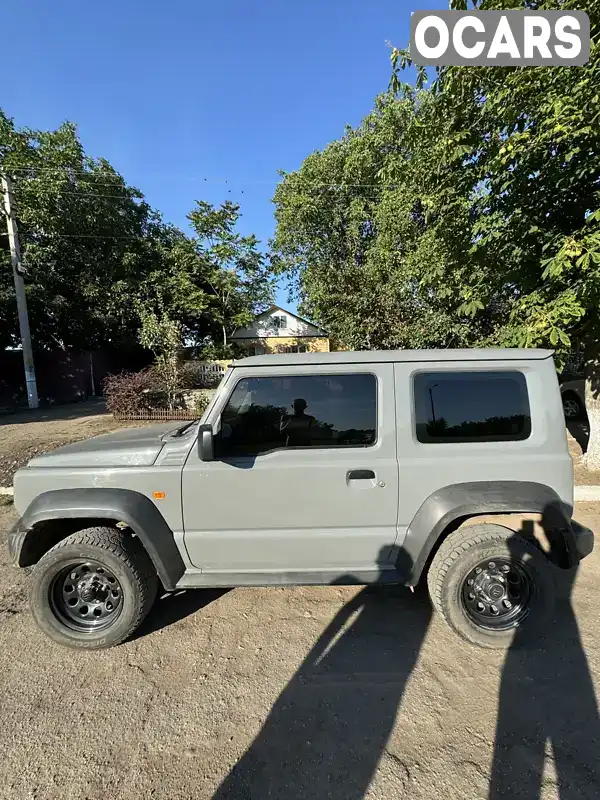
[102,196]
[200,178]
[78,235]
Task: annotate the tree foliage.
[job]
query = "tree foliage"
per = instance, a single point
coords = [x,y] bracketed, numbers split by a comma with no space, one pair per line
[237,276]
[102,265]
[358,232]
[463,213]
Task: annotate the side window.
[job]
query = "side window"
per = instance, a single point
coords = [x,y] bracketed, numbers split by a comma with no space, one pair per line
[471,407]
[269,413]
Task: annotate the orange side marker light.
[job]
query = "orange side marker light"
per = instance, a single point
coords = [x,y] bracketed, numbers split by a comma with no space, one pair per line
[158,495]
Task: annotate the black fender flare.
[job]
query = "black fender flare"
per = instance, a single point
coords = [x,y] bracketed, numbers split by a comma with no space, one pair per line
[136,510]
[456,501]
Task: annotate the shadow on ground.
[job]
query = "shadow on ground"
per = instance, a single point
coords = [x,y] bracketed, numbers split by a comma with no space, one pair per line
[171,607]
[88,408]
[547,710]
[327,732]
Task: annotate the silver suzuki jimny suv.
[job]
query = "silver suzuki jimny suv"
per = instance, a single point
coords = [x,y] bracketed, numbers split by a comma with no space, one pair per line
[317,468]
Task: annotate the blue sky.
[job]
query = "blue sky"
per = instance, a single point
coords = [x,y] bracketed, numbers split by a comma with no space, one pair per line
[196,100]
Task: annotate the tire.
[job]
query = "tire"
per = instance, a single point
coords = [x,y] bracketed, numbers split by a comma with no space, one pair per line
[93,589]
[526,605]
[572,406]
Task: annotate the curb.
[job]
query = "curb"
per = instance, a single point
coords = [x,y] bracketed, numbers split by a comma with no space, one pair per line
[587,493]
[581,493]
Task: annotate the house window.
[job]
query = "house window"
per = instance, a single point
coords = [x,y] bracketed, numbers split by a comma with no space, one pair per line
[279,322]
[297,348]
[471,407]
[264,414]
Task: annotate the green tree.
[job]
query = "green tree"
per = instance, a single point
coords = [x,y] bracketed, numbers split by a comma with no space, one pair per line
[526,144]
[103,267]
[80,225]
[358,232]
[236,275]
[463,214]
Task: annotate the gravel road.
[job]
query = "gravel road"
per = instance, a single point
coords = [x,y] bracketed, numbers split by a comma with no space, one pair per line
[332,692]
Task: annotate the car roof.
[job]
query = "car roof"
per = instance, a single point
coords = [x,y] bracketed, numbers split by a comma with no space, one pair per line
[377,356]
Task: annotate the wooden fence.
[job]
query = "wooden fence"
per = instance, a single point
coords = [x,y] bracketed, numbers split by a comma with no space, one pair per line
[158,415]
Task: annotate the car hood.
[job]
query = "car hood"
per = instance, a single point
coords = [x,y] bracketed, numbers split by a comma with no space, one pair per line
[131,447]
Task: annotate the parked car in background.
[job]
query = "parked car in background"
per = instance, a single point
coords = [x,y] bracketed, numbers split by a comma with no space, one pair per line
[573,398]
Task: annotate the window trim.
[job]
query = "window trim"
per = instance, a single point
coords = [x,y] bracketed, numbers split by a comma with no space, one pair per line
[311,374]
[453,370]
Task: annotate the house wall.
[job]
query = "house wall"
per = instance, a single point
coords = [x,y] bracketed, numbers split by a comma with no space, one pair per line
[263,327]
[277,344]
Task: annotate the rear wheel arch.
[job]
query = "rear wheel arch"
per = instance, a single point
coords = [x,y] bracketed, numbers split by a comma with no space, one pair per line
[450,507]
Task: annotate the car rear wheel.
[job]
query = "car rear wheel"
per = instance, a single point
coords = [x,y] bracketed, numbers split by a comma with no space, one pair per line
[93,589]
[572,406]
[492,586]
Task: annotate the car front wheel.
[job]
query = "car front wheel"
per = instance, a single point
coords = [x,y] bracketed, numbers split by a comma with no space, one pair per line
[93,589]
[492,586]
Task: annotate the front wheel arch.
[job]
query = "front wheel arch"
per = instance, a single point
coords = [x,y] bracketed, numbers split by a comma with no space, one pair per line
[73,509]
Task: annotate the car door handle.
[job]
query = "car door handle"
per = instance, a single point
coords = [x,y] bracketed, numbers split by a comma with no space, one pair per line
[360,475]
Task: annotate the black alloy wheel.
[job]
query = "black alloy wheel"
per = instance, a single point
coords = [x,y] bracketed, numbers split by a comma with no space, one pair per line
[86,596]
[496,593]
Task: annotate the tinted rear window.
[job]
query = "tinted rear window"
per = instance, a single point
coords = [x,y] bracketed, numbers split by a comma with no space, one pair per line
[471,407]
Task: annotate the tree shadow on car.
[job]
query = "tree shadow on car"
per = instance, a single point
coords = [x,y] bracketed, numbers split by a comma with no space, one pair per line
[547,708]
[171,607]
[327,731]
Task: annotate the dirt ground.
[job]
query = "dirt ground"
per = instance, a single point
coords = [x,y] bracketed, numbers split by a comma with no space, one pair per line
[25,435]
[332,692]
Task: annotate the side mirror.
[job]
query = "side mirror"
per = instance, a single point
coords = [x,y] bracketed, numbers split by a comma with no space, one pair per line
[205,443]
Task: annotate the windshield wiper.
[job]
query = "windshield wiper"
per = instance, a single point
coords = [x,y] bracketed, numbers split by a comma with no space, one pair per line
[184,428]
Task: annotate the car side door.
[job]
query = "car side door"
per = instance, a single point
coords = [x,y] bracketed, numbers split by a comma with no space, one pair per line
[305,475]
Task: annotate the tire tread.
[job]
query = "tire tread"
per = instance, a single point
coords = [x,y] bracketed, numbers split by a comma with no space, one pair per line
[132,554]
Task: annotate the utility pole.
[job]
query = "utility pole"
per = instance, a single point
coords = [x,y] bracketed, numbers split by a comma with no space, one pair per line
[15,257]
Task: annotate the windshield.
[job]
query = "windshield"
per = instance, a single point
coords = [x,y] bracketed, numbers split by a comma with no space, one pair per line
[216,395]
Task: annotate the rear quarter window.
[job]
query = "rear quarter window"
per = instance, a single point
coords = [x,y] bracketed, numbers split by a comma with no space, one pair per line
[471,407]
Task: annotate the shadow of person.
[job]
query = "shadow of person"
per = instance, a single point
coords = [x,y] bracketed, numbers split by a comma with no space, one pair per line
[328,730]
[547,713]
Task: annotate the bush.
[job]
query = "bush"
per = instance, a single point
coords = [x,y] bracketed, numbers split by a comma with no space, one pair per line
[134,392]
[137,392]
[192,376]
[201,402]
